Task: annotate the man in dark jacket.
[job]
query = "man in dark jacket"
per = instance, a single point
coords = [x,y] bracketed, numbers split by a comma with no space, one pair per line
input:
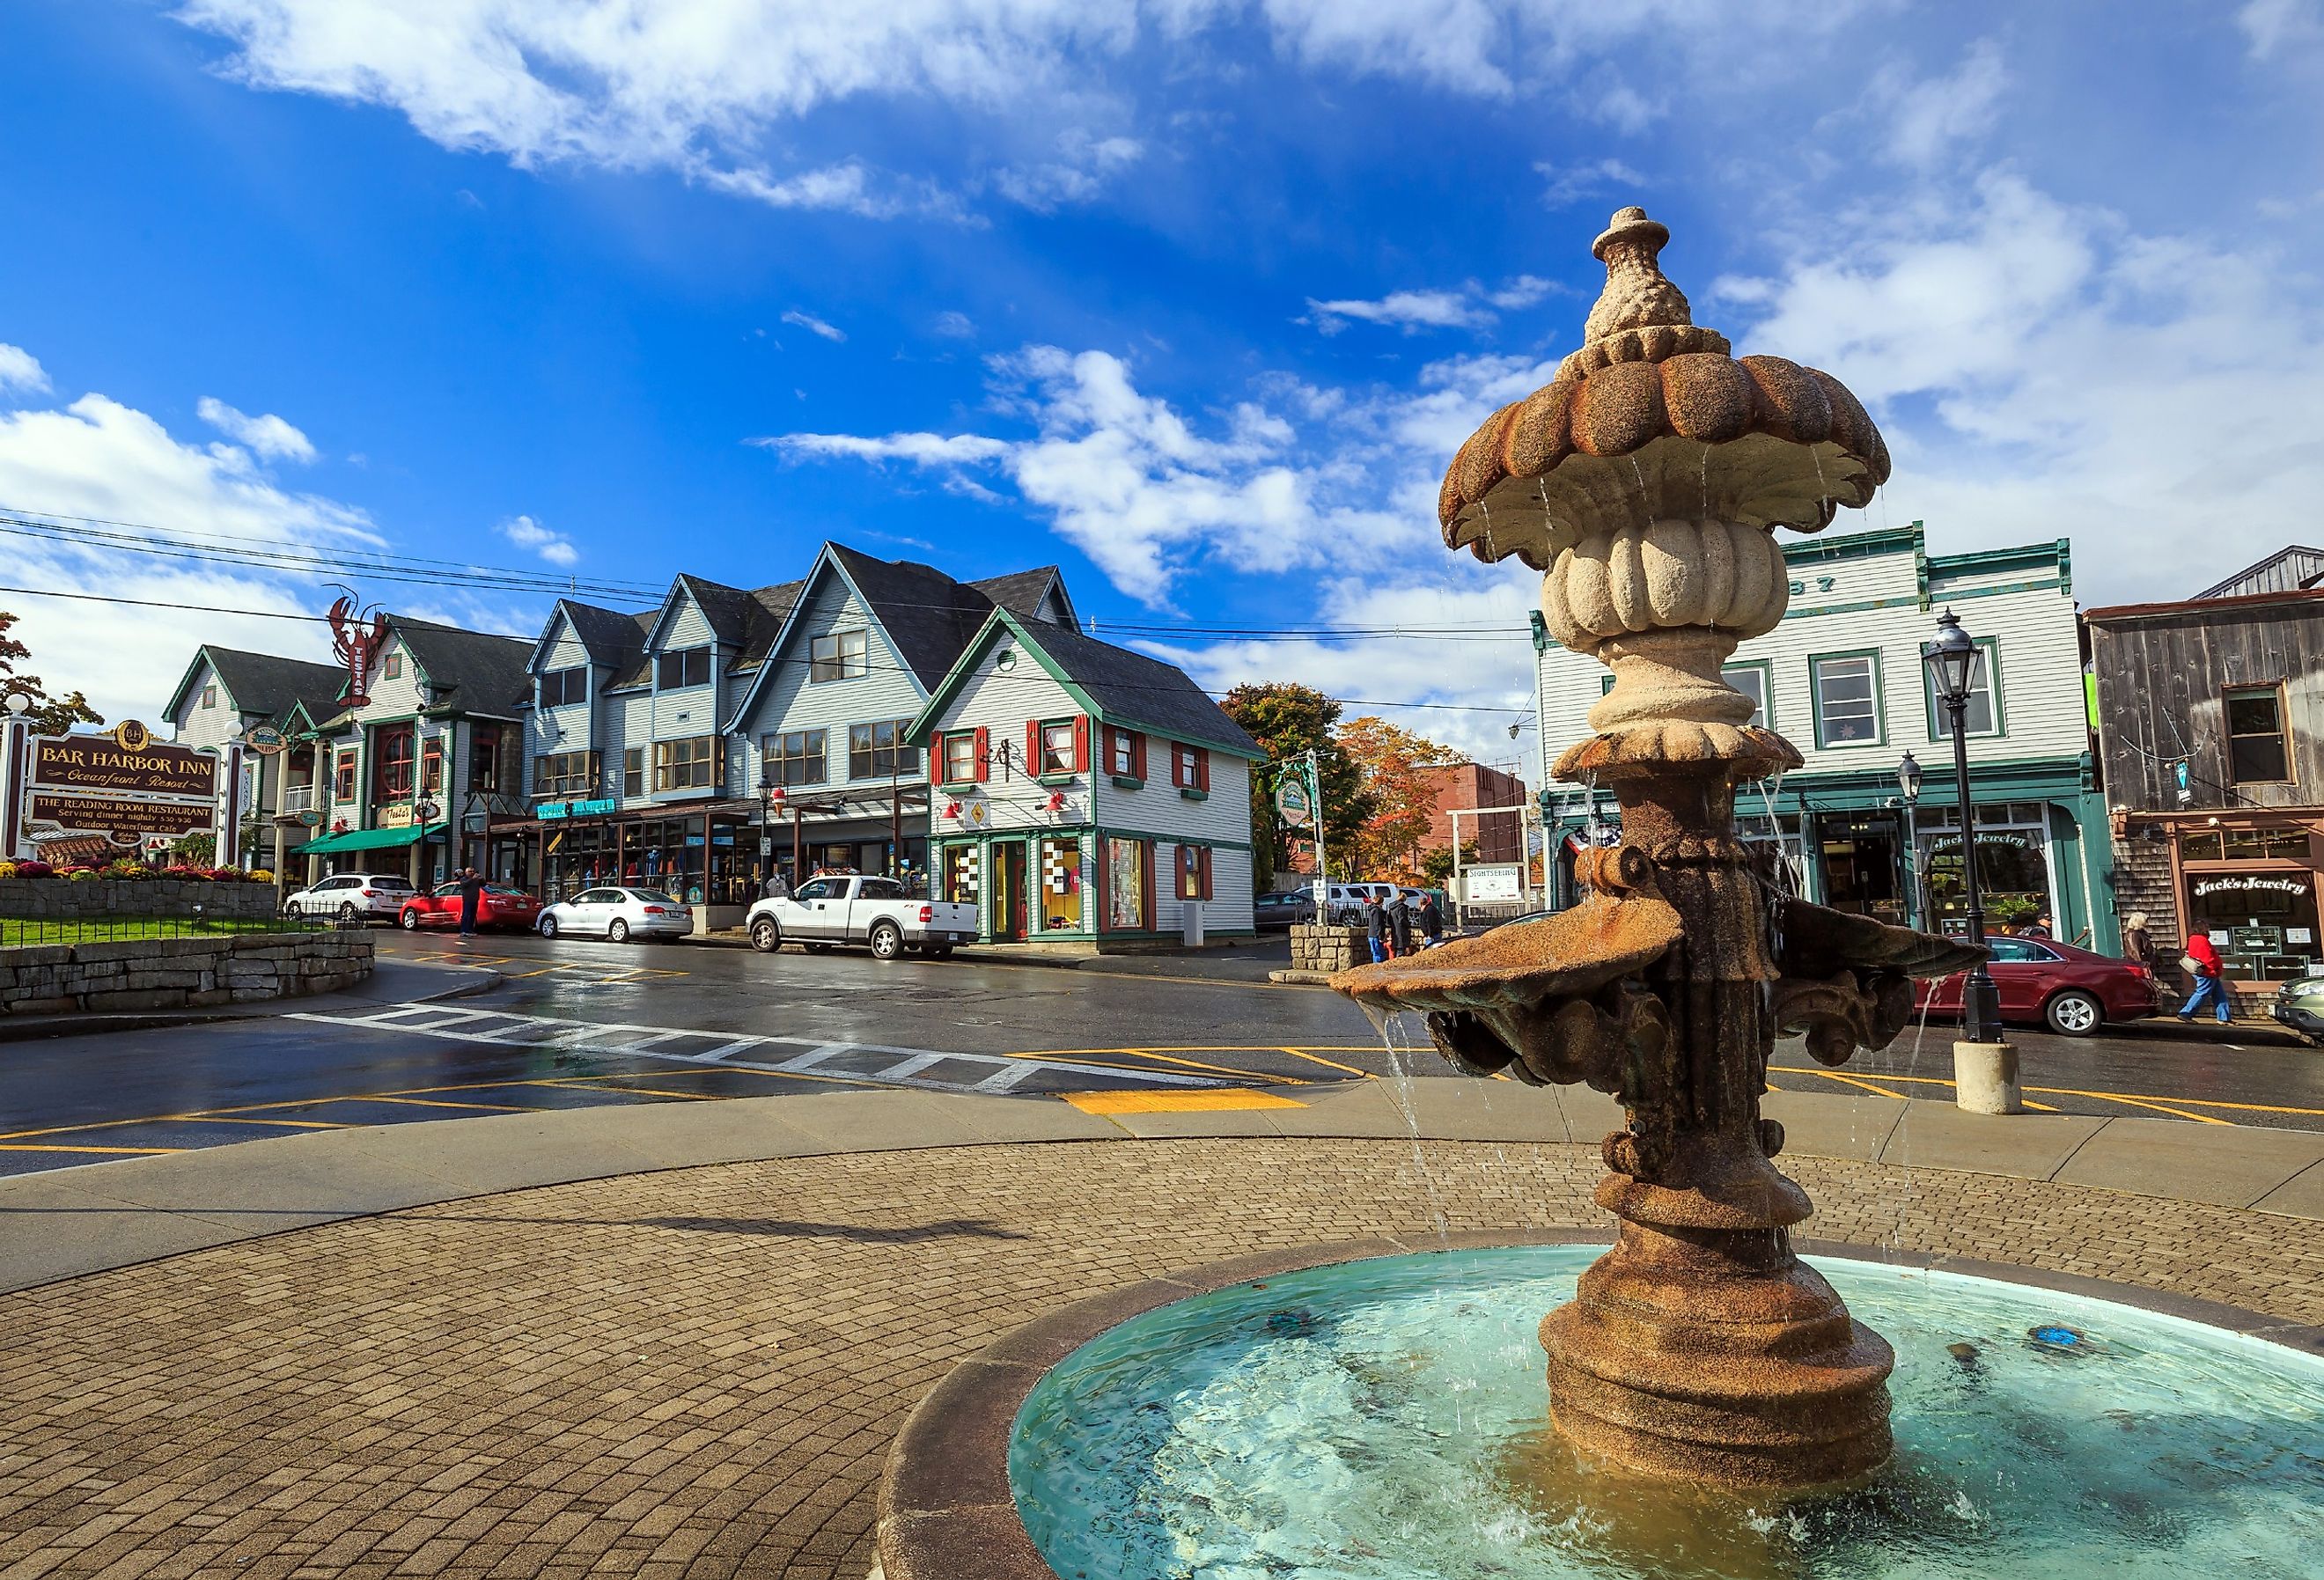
[472,899]
[1431,919]
[1376,925]
[1400,924]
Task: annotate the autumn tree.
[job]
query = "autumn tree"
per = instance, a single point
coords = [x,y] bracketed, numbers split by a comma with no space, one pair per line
[1402,796]
[48,716]
[1288,721]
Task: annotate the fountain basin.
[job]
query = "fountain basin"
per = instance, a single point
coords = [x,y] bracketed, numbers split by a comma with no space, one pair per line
[1336,1412]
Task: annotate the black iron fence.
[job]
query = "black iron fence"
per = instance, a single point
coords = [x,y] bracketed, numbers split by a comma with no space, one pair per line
[26,931]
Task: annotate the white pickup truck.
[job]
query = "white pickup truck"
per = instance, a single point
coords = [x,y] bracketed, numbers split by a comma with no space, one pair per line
[825,912]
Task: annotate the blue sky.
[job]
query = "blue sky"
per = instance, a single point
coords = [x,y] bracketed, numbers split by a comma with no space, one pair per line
[1194,297]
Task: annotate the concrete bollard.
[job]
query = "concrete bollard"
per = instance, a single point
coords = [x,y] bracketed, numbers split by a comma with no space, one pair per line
[1985,1077]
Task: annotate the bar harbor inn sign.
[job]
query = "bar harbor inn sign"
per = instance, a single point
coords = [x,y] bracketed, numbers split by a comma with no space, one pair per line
[66,797]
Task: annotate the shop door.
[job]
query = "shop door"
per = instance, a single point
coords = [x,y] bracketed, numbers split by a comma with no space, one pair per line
[1008,890]
[1859,867]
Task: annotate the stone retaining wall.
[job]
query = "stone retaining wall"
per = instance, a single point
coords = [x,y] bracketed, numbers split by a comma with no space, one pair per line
[63,900]
[177,974]
[1327,949]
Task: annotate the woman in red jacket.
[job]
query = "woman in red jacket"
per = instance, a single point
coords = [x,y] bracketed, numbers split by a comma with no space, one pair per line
[2207,982]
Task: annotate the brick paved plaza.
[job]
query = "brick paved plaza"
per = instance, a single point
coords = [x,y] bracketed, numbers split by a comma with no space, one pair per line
[697,1371]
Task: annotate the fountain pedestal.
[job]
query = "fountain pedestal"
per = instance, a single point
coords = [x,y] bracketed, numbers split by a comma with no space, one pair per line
[1646,481]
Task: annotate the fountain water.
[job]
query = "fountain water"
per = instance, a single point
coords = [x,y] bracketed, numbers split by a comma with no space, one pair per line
[1700,1346]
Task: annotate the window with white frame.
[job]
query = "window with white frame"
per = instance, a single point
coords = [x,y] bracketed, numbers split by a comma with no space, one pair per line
[1983,716]
[1846,700]
[1058,746]
[1751,679]
[842,655]
[959,747]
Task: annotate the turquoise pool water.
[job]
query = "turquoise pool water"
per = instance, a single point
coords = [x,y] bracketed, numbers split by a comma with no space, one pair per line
[1383,1420]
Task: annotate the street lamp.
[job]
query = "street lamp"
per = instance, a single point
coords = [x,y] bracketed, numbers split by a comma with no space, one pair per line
[18,703]
[1952,659]
[1908,782]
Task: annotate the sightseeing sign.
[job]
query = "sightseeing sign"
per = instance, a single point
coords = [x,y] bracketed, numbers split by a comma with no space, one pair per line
[1296,807]
[87,788]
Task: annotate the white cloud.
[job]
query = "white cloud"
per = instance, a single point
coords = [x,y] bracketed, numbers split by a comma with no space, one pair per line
[1147,493]
[1566,185]
[1927,119]
[1080,171]
[955,325]
[2276,27]
[97,460]
[269,436]
[554,547]
[2044,371]
[20,370]
[1409,310]
[705,87]
[813,325]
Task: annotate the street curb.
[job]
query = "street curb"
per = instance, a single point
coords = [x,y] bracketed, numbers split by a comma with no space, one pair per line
[46,1028]
[1302,978]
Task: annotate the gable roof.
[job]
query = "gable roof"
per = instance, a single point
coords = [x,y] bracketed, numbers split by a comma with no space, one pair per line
[265,684]
[609,636]
[2293,569]
[928,615]
[1021,592]
[1118,687]
[775,605]
[468,669]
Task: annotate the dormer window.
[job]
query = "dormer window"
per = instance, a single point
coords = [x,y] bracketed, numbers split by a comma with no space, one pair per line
[391,667]
[688,667]
[841,656]
[559,687]
[209,695]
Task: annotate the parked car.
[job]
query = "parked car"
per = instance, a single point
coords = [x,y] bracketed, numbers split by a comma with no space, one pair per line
[497,905]
[1347,899]
[823,913]
[352,897]
[2042,982]
[618,914]
[2300,1005]
[1283,908]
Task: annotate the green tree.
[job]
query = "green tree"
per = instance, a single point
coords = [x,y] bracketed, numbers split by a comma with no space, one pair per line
[1436,864]
[1289,720]
[1393,762]
[49,715]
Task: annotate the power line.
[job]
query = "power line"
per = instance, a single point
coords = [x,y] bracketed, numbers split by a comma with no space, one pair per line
[529,640]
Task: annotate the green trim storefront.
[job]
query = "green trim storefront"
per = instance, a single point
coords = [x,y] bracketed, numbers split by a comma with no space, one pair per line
[1849,841]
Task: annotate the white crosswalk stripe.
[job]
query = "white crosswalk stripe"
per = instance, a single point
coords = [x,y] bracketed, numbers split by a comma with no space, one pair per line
[871,1063]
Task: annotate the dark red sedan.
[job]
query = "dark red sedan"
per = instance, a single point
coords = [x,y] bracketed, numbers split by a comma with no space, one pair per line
[496,907]
[2044,983]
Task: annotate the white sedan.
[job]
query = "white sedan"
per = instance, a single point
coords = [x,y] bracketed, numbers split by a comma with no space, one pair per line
[618,914]
[353,898]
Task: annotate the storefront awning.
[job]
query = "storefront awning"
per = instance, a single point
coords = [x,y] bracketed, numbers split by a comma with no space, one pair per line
[370,839]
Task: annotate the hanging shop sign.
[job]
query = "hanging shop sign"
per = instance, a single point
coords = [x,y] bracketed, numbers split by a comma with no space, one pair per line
[1293,804]
[395,816]
[265,740]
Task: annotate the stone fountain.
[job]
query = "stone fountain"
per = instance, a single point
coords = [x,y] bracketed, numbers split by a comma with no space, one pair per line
[1647,482]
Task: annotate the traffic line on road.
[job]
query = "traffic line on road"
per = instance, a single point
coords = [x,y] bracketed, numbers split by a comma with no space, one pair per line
[113,1151]
[1214,1101]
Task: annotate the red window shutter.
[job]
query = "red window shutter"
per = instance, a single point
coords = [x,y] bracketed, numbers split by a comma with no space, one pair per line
[1203,773]
[1137,756]
[936,757]
[1205,855]
[1033,762]
[1081,746]
[983,755]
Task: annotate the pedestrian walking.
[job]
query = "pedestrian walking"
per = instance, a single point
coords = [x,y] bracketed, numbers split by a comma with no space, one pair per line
[472,898]
[1376,927]
[1399,925]
[775,888]
[2201,960]
[1431,919]
[2137,943]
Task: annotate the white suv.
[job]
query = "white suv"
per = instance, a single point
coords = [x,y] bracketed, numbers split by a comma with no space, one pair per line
[353,897]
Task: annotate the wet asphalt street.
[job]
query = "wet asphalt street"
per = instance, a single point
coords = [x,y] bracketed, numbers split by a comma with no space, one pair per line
[585,1024]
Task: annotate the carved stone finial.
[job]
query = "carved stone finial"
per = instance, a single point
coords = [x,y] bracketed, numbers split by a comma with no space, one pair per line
[1637,293]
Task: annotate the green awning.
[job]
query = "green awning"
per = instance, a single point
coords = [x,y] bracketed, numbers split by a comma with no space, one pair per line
[370,839]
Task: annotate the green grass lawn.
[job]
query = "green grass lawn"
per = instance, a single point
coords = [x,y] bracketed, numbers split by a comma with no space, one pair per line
[14,933]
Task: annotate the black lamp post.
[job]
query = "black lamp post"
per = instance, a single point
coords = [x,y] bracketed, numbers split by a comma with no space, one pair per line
[1908,783]
[1952,659]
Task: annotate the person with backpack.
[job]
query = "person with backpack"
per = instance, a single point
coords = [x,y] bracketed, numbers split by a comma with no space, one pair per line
[2201,961]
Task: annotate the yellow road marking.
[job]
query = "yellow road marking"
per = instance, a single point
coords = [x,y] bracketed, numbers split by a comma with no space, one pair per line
[437,1103]
[2140,1103]
[140,1151]
[2132,1098]
[641,1090]
[294,1123]
[1326,1063]
[1849,1080]
[1174,1101]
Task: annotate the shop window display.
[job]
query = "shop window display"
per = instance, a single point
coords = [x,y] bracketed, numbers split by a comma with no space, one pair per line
[2263,923]
[1061,885]
[1125,884]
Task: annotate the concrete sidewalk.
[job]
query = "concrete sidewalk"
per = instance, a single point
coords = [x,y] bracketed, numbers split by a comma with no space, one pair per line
[392,982]
[136,1210]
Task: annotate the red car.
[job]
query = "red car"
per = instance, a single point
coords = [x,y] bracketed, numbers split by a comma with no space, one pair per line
[496,907]
[2044,983]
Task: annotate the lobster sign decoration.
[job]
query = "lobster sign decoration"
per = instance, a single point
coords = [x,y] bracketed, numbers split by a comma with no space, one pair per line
[357,646]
